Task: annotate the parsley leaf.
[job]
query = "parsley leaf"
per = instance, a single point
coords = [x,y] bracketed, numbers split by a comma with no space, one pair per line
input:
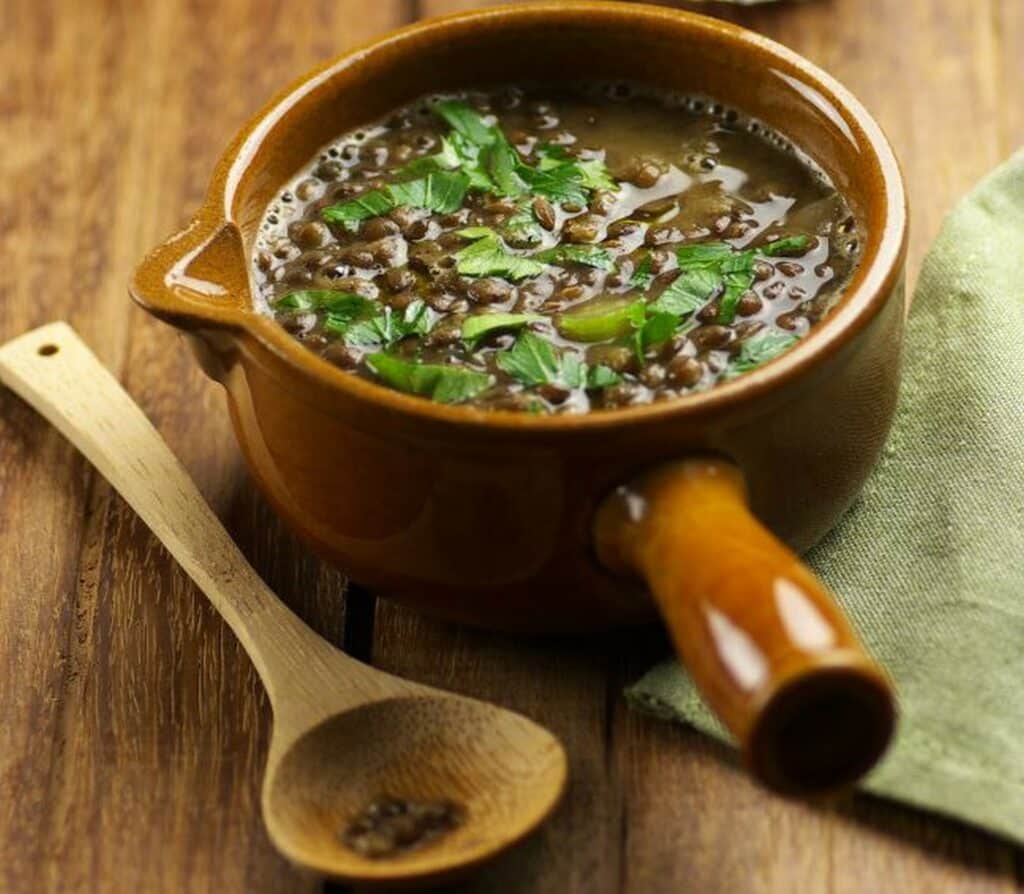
[658,327]
[592,173]
[481,150]
[643,275]
[759,349]
[595,175]
[465,121]
[445,384]
[369,204]
[448,159]
[738,276]
[703,254]
[476,327]
[590,255]
[560,176]
[487,256]
[441,192]
[708,265]
[535,361]
[789,245]
[523,228]
[688,292]
[561,184]
[551,155]
[388,327]
[504,164]
[331,300]
[602,376]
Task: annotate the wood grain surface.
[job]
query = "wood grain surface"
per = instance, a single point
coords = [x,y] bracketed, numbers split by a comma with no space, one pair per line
[132,729]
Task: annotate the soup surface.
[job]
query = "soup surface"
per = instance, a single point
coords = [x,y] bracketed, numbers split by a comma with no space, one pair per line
[551,251]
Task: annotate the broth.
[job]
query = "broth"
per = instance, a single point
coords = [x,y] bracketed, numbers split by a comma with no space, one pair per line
[555,251]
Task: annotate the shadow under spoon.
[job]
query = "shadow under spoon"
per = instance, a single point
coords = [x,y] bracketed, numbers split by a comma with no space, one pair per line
[369,778]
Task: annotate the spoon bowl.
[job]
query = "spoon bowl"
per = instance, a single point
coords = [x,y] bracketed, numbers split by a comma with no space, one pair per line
[502,773]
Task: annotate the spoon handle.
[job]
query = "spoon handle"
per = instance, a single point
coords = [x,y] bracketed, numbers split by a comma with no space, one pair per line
[53,370]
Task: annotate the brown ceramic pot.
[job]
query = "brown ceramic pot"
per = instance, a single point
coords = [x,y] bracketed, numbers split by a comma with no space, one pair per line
[552,523]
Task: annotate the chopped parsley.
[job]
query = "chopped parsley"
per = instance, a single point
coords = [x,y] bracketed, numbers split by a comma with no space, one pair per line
[658,326]
[388,327]
[602,376]
[340,308]
[522,228]
[688,292]
[789,245]
[643,275]
[590,255]
[441,192]
[487,255]
[335,300]
[484,155]
[445,384]
[759,349]
[535,361]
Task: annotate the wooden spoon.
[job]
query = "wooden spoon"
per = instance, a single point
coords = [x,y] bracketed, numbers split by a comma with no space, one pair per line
[344,735]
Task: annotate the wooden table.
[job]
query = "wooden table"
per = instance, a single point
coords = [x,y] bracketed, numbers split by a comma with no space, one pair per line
[132,728]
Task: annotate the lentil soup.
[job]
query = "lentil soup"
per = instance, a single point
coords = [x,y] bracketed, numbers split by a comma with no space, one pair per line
[555,251]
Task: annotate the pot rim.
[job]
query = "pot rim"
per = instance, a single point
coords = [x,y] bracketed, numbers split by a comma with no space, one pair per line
[861,302]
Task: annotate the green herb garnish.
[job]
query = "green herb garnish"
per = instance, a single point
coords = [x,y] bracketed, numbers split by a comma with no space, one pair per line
[590,255]
[448,159]
[535,361]
[658,326]
[445,384]
[441,192]
[484,153]
[465,121]
[389,327]
[591,173]
[703,254]
[476,327]
[488,256]
[759,349]
[737,274]
[340,309]
[475,155]
[789,245]
[643,276]
[709,266]
[523,227]
[562,184]
[602,376]
[482,150]
[688,292]
[335,300]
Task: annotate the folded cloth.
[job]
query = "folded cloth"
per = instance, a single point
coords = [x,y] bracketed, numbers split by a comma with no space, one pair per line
[929,562]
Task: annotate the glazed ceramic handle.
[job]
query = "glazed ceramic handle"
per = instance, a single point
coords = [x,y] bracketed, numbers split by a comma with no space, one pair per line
[762,637]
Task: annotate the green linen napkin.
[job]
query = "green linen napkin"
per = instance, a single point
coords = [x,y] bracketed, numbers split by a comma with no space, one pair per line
[929,562]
